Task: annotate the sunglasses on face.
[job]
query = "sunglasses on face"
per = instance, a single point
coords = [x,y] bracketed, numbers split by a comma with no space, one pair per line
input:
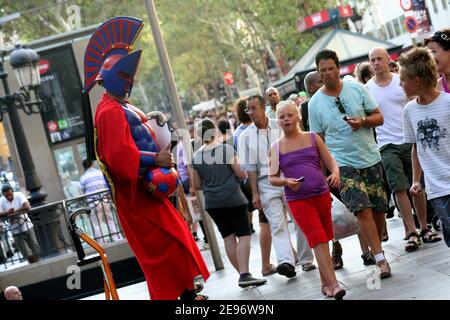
[340,105]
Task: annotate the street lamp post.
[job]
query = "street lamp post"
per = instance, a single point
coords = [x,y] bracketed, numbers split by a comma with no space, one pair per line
[24,63]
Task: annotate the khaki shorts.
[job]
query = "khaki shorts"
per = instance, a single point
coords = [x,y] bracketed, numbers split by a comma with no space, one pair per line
[397,165]
[363,188]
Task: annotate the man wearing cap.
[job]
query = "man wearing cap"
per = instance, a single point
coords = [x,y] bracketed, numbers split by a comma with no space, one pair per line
[274,97]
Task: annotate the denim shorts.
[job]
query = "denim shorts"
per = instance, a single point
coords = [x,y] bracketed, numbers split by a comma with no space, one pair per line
[441,206]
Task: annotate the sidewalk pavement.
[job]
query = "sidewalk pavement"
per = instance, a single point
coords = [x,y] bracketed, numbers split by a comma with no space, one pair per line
[420,275]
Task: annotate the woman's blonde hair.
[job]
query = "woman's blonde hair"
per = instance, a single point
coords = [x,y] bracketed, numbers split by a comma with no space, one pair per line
[418,62]
[287,103]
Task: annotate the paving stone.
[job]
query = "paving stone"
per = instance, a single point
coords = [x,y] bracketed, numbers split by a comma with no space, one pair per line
[423,274]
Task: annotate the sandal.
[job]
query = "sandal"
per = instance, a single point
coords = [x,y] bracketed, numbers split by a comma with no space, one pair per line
[326,291]
[201,297]
[308,267]
[337,262]
[269,271]
[337,256]
[412,245]
[198,287]
[432,237]
[338,293]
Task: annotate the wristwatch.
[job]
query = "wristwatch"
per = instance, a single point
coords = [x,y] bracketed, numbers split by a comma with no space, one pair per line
[363,122]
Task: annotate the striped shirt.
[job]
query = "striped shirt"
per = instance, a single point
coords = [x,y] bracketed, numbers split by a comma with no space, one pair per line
[429,127]
[92,181]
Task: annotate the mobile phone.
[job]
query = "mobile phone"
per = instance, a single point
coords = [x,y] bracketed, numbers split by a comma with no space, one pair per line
[301,179]
[345,118]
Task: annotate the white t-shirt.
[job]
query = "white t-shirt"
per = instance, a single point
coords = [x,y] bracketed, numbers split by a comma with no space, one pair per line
[391,100]
[429,127]
[254,145]
[19,223]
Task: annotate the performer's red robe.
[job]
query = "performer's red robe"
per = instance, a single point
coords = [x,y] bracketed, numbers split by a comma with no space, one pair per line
[155,230]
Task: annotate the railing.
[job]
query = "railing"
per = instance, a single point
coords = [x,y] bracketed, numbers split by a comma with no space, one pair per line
[45,233]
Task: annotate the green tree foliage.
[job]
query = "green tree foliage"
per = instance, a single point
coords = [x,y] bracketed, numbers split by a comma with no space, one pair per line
[204,38]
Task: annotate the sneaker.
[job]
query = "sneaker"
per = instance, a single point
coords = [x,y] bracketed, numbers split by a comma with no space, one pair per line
[286,269]
[384,269]
[368,259]
[247,280]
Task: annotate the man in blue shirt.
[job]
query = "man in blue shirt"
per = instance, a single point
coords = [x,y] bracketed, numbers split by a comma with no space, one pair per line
[344,114]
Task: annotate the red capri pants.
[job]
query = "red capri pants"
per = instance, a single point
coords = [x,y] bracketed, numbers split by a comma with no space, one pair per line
[313,216]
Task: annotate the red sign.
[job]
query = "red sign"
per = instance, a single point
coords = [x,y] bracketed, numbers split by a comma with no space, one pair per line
[345,11]
[394,56]
[406,4]
[43,66]
[313,20]
[343,70]
[228,78]
[52,126]
[411,24]
[301,25]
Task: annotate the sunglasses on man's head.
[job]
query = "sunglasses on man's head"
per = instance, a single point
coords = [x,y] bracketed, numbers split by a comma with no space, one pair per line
[340,105]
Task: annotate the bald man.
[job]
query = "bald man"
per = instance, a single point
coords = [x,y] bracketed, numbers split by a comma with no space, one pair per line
[395,154]
[312,83]
[13,293]
[273,96]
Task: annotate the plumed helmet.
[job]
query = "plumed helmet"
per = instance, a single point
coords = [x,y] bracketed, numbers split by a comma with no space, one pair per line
[108,60]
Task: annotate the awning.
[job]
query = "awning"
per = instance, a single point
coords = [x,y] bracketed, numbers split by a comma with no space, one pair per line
[350,47]
[206,105]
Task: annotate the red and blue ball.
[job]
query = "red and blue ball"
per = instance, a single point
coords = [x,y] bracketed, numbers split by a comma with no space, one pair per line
[161,182]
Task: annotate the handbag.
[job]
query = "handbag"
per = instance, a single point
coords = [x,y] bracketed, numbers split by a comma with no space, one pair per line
[345,223]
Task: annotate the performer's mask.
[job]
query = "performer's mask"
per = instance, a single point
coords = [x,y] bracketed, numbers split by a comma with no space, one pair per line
[117,73]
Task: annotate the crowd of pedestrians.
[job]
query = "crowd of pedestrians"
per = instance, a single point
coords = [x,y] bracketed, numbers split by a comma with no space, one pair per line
[385,132]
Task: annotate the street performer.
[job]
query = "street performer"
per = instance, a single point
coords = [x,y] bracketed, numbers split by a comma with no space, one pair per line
[126,148]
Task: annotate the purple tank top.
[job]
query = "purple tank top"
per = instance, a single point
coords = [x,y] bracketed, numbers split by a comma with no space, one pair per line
[444,84]
[304,162]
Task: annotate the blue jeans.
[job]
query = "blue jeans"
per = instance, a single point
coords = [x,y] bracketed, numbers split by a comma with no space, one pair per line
[442,207]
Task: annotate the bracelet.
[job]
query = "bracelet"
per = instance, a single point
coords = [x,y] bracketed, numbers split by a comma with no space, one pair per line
[363,122]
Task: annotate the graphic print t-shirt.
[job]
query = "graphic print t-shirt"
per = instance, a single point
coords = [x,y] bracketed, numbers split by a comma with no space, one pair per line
[429,127]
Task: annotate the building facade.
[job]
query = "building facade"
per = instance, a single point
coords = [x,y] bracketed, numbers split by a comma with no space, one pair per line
[385,19]
[56,135]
